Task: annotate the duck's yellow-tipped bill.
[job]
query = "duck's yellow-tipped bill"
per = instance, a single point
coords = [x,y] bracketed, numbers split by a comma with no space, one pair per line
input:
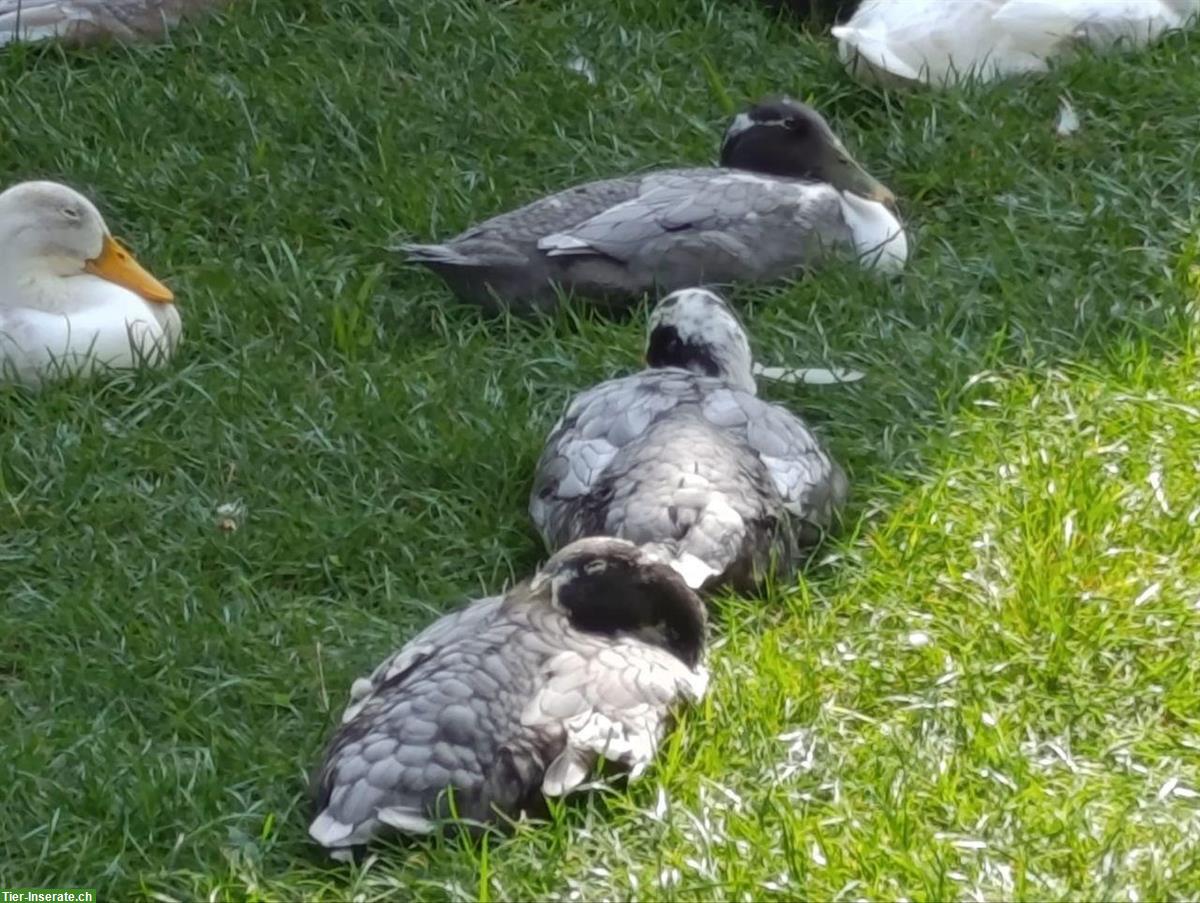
[118,266]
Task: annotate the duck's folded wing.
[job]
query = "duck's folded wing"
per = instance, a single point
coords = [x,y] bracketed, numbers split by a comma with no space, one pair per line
[596,426]
[712,202]
[393,762]
[507,240]
[812,484]
[464,622]
[605,419]
[612,702]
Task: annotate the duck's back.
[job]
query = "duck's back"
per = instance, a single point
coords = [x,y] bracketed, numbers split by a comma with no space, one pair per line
[449,715]
[699,496]
[709,473]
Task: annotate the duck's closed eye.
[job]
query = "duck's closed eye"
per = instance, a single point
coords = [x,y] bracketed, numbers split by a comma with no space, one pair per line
[71,214]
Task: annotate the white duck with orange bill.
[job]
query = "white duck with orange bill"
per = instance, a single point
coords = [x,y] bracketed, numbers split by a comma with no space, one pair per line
[72,298]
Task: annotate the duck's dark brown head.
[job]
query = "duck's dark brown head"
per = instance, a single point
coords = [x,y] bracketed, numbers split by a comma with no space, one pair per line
[610,586]
[694,329]
[779,136]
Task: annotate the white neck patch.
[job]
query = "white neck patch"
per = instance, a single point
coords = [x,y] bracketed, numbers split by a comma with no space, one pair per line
[879,237]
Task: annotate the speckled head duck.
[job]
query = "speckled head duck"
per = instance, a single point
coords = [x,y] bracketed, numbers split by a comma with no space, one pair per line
[684,459]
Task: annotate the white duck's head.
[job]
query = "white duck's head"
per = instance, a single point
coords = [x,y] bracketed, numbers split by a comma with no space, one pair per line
[694,329]
[50,232]
[779,136]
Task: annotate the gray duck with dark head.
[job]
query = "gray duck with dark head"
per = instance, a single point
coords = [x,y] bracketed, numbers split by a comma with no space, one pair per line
[787,194]
[514,697]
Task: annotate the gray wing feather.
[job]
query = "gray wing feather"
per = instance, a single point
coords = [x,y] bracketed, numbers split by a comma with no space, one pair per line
[813,486]
[426,643]
[438,716]
[512,237]
[738,219]
[596,426]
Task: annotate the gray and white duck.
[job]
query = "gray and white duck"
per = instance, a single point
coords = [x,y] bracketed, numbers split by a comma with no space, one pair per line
[786,195]
[685,459]
[514,697]
[87,22]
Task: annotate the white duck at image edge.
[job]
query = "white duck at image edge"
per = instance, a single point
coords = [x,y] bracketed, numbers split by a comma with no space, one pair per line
[84,22]
[514,697]
[941,42]
[685,459]
[72,299]
[787,195]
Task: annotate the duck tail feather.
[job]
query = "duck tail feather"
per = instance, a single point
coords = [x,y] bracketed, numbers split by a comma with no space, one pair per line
[328,831]
[437,254]
[561,244]
[694,571]
[873,47]
[405,819]
[568,771]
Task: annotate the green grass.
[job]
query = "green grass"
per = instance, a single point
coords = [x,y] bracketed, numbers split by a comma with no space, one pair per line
[986,687]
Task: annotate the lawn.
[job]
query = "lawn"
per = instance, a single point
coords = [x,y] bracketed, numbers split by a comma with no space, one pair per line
[986,686]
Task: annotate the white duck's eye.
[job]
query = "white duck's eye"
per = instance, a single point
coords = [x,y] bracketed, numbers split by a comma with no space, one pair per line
[71,213]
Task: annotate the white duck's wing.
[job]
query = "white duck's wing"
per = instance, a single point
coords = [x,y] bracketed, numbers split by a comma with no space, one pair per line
[812,485]
[941,42]
[711,225]
[1043,26]
[26,337]
[468,619]
[892,42]
[936,42]
[596,426]
[613,701]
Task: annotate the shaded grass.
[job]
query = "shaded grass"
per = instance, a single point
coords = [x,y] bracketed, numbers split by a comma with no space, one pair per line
[976,699]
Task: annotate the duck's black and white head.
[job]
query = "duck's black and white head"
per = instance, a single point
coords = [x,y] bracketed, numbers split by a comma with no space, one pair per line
[694,329]
[610,586]
[779,136]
